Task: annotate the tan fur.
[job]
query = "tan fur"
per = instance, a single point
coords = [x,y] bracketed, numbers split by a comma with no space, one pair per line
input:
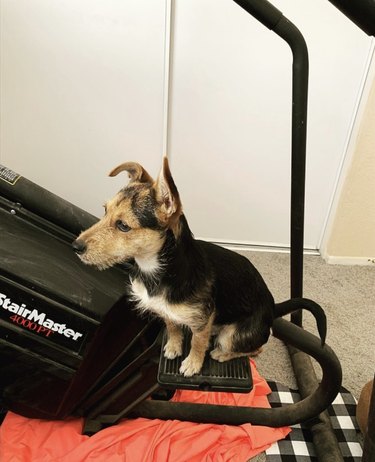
[136,172]
[169,198]
[175,316]
[224,345]
[107,246]
[200,340]
[173,347]
[176,313]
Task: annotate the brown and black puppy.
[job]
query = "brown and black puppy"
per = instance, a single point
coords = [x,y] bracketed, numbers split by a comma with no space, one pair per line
[187,282]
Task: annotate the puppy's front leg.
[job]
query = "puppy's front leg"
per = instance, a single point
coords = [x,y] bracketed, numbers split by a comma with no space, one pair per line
[200,340]
[173,347]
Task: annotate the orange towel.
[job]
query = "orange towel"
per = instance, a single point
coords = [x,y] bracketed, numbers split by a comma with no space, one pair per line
[143,440]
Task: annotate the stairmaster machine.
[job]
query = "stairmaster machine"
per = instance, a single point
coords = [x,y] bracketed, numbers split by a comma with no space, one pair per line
[71,343]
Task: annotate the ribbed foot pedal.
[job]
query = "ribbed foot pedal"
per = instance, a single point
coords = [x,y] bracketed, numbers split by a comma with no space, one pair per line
[231,376]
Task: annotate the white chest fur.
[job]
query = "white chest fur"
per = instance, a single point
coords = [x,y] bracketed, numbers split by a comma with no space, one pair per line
[178,313]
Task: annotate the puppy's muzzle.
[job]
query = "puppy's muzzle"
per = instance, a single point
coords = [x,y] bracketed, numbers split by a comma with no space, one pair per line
[79,246]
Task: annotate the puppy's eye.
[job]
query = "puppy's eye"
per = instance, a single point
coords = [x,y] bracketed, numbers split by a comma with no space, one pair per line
[105,209]
[122,226]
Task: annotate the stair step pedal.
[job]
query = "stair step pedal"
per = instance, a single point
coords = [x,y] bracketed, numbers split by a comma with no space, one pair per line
[229,376]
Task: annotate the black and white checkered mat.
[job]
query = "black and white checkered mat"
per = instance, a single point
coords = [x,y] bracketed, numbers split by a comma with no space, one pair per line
[298,445]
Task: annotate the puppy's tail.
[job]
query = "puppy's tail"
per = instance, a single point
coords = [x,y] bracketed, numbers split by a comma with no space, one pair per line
[287,307]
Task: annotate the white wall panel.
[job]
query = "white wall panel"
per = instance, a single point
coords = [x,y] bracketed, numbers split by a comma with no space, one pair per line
[231,115]
[81,92]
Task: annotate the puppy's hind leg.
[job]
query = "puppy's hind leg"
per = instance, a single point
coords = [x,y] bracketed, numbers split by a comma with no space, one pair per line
[230,345]
[224,344]
[173,347]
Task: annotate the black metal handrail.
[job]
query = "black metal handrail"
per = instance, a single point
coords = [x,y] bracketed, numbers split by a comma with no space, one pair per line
[272,18]
[361,12]
[304,410]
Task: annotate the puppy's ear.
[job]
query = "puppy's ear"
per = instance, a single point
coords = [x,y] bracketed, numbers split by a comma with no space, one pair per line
[166,192]
[136,172]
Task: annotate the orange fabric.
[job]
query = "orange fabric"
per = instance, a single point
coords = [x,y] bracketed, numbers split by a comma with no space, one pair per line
[143,440]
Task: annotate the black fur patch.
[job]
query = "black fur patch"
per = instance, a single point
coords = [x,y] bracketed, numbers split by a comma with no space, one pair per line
[143,203]
[216,279]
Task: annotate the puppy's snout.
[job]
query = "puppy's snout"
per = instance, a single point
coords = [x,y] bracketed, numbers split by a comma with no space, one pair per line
[79,246]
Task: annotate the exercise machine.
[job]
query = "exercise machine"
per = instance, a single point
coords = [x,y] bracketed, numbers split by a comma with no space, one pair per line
[71,342]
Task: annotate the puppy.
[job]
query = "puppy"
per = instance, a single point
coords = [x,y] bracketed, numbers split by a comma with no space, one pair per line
[187,282]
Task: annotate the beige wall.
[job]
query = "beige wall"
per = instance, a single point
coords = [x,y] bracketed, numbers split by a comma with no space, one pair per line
[352,236]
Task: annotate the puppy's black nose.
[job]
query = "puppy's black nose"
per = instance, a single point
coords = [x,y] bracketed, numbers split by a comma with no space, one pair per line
[79,246]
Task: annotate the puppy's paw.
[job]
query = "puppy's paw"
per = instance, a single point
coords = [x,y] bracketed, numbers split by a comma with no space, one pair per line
[190,366]
[172,349]
[218,355]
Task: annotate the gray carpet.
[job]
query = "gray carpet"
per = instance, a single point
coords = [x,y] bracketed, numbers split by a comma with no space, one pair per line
[347,294]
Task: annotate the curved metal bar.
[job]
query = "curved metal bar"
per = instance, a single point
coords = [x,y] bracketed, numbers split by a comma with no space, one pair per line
[47,205]
[300,76]
[272,18]
[269,16]
[361,12]
[307,409]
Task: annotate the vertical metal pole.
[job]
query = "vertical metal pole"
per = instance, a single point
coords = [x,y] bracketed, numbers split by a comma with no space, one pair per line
[292,35]
[361,12]
[325,442]
[272,18]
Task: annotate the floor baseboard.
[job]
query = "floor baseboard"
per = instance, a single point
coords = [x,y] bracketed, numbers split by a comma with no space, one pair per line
[363,261]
